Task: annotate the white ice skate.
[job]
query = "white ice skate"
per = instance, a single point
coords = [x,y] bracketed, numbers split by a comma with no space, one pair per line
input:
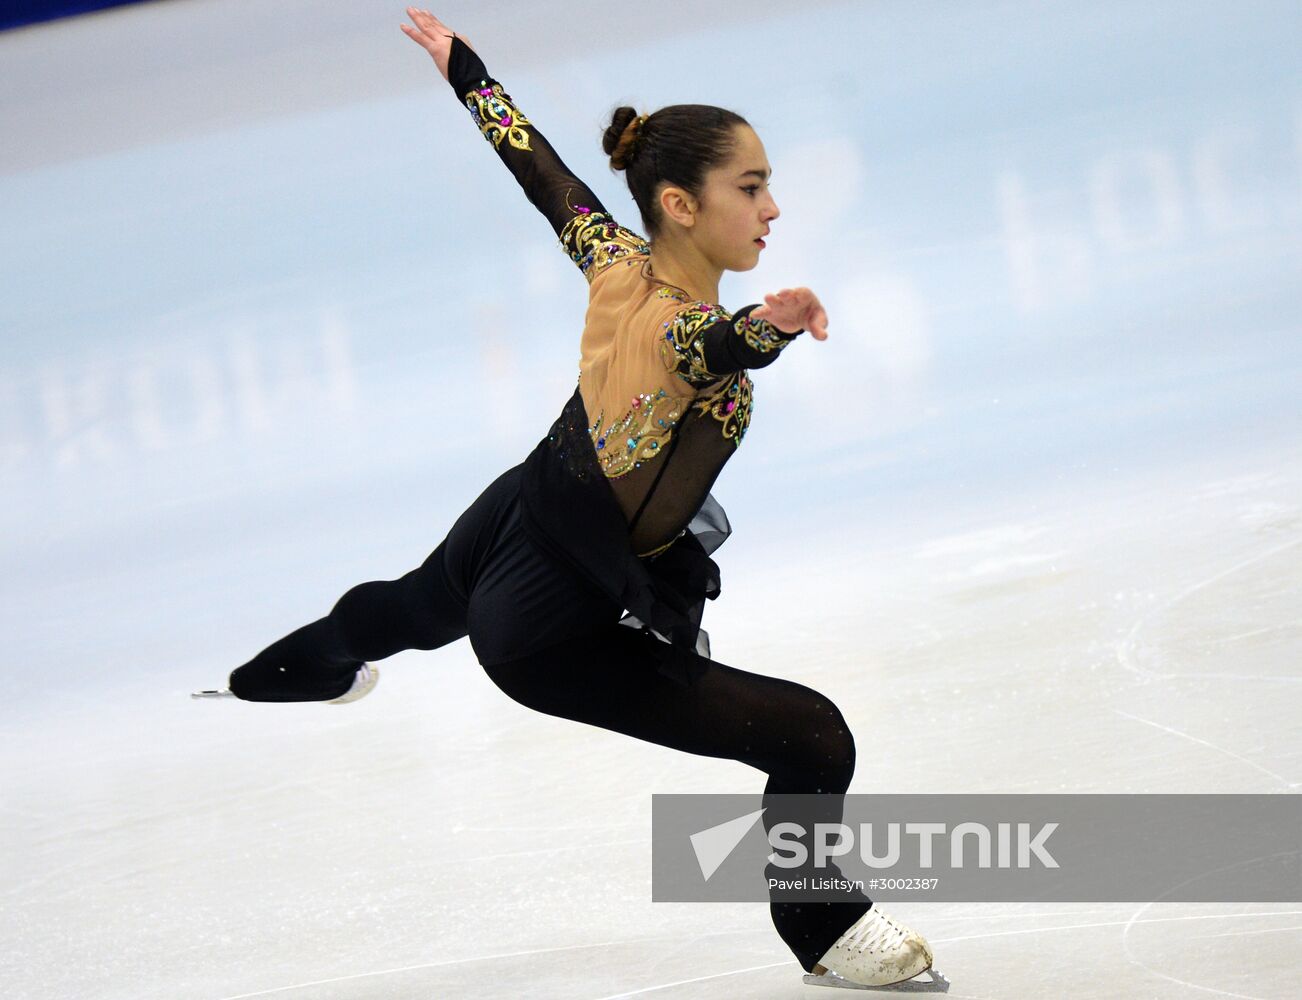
[367,676]
[879,953]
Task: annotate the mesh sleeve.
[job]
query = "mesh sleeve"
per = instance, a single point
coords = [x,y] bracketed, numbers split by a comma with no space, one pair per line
[587,233]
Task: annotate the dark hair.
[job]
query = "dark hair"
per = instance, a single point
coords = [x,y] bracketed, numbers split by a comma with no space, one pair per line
[677,144]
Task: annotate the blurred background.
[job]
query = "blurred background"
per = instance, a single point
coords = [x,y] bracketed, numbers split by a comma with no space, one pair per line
[274,314]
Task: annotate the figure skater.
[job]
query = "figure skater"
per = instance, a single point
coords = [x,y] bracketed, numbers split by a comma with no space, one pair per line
[611,512]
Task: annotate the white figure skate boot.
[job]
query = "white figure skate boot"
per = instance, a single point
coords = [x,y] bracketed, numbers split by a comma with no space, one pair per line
[367,676]
[878,952]
[364,680]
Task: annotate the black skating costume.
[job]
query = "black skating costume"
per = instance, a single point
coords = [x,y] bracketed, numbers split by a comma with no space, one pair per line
[610,516]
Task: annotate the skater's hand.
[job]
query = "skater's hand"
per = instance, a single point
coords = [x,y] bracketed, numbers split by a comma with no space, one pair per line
[433,36]
[792,309]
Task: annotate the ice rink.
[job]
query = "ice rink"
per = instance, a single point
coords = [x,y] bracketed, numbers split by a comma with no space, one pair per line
[274,314]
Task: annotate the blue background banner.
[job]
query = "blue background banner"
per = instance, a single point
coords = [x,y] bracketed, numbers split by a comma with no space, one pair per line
[17,13]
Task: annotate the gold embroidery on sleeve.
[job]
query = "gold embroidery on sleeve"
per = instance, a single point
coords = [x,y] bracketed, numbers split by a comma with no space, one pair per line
[682,350]
[594,240]
[497,116]
[760,334]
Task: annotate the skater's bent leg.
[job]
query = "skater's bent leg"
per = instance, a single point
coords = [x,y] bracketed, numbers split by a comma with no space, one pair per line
[419,610]
[793,733]
[608,678]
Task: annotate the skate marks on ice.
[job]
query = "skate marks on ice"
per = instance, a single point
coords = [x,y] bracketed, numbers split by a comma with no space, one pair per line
[503,977]
[452,962]
[1212,746]
[1128,649]
[717,983]
[1176,927]
[1202,989]
[1266,597]
[1268,594]
[1128,655]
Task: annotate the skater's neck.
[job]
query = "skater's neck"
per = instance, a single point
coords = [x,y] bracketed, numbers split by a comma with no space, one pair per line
[681,264]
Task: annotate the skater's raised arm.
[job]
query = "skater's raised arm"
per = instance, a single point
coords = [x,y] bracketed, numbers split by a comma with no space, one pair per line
[588,234]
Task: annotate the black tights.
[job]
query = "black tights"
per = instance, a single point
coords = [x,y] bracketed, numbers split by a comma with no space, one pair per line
[606,678]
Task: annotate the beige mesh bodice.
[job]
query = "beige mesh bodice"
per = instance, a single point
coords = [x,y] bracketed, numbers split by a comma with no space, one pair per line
[659,439]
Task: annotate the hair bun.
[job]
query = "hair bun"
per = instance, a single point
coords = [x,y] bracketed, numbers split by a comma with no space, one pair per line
[621,137]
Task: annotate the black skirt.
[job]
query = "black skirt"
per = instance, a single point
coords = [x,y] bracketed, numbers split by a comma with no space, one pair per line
[543,555]
[517,598]
[571,513]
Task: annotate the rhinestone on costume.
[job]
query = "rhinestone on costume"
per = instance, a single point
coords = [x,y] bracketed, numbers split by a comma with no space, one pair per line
[683,349]
[760,335]
[497,117]
[594,240]
[644,428]
[733,414]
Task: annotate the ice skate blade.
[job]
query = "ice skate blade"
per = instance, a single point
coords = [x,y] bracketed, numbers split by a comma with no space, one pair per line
[936,984]
[223,693]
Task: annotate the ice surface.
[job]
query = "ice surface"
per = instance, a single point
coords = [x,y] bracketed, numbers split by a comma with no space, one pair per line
[435,839]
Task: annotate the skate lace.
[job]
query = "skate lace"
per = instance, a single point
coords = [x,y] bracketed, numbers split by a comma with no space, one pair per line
[872,932]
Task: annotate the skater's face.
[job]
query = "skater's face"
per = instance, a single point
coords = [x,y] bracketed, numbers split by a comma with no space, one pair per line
[735,206]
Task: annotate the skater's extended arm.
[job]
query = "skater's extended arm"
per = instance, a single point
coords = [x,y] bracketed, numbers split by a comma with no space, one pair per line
[703,342]
[591,238]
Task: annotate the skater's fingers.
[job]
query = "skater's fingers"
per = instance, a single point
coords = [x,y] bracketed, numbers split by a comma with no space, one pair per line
[431,25]
[417,36]
[436,27]
[427,27]
[818,325]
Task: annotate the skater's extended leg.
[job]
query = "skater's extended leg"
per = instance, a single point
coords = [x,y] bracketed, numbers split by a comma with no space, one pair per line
[791,732]
[420,610]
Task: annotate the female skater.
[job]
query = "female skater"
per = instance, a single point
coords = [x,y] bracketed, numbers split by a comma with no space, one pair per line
[612,511]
